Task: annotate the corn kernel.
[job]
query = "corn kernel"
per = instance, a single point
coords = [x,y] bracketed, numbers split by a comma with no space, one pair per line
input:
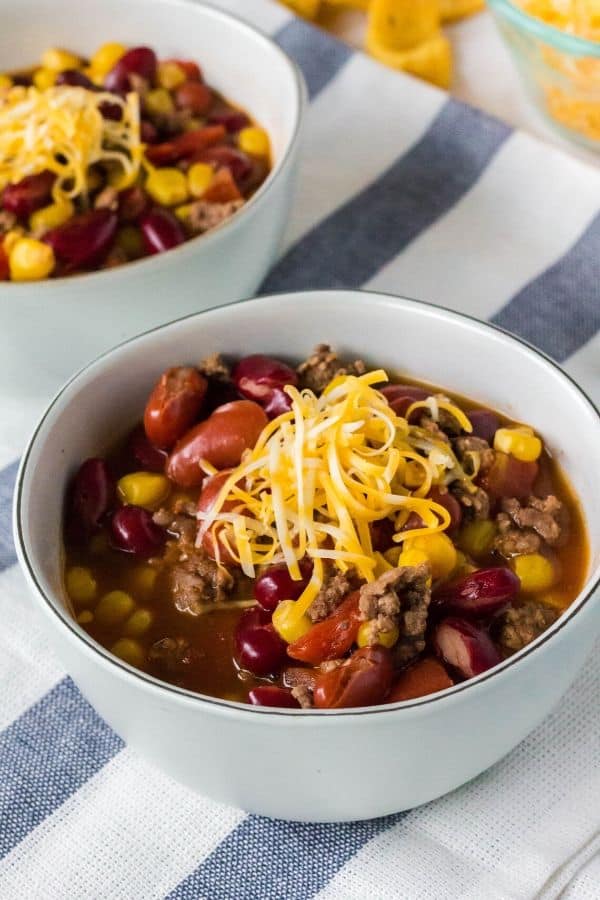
[159,102]
[402,24]
[143,579]
[5,81]
[168,187]
[59,60]
[81,584]
[254,140]
[476,538]
[51,216]
[384,638]
[183,212]
[200,176]
[439,551]
[85,617]
[287,624]
[411,556]
[537,573]
[414,474]
[170,75]
[146,489]
[393,555]
[114,607]
[44,79]
[129,239]
[129,651]
[106,57]
[30,260]
[138,623]
[519,442]
[306,8]
[11,237]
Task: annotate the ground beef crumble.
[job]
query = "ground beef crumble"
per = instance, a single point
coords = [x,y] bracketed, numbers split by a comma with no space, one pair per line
[204,216]
[335,587]
[214,366]
[523,529]
[467,444]
[521,625]
[322,366]
[477,504]
[399,598]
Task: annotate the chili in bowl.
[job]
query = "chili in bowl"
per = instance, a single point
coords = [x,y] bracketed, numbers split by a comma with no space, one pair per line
[456,622]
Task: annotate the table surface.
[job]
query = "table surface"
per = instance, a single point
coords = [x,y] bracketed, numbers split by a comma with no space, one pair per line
[484,73]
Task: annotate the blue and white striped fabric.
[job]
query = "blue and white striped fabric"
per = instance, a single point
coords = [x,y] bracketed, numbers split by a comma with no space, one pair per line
[407,191]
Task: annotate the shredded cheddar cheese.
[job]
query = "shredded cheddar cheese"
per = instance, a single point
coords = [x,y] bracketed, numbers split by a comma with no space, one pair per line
[62,130]
[321,473]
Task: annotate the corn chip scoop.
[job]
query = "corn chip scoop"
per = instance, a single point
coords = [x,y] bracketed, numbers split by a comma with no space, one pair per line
[320,474]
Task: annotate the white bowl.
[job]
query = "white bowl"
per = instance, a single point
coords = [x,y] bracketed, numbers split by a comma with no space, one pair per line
[59,325]
[315,765]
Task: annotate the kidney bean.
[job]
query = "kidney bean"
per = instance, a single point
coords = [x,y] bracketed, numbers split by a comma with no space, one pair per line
[270,695]
[276,584]
[185,145]
[192,70]
[137,61]
[362,680]
[260,650]
[449,502]
[233,120]
[75,78]
[426,676]
[28,194]
[465,647]
[222,189]
[221,439]
[510,477]
[482,593]
[148,132]
[210,491]
[485,423]
[161,231]
[195,96]
[113,112]
[84,240]
[330,638]
[382,533]
[262,379]
[133,203]
[134,531]
[92,495]
[250,619]
[174,405]
[224,157]
[146,455]
[218,394]
[400,396]
[413,522]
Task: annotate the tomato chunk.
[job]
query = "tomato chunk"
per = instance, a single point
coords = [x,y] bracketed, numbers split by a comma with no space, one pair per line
[330,638]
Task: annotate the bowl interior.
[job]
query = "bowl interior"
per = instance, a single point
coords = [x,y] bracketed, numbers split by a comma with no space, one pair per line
[107,398]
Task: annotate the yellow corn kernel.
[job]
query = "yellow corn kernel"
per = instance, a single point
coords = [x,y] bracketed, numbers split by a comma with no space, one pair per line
[11,237]
[85,617]
[287,625]
[44,79]
[106,57]
[414,474]
[439,551]
[170,75]
[393,555]
[114,607]
[430,60]
[143,579]
[129,240]
[402,24]
[99,544]
[81,584]
[168,187]
[146,489]
[183,212]
[411,556]
[159,102]
[138,623]
[520,442]
[476,538]
[200,176]
[129,651]
[306,8]
[5,81]
[384,638]
[537,572]
[254,140]
[59,60]
[30,260]
[51,216]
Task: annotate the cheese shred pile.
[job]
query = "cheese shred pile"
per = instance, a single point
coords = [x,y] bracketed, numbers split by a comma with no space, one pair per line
[62,130]
[320,474]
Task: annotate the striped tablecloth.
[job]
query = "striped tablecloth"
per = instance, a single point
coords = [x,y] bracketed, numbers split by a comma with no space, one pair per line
[403,190]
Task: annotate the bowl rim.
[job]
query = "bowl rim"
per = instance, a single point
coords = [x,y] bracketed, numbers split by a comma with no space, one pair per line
[55,607]
[235,222]
[561,40]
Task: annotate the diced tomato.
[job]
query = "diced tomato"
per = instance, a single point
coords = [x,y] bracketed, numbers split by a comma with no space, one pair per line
[330,638]
[185,145]
[426,676]
[192,70]
[222,188]
[509,477]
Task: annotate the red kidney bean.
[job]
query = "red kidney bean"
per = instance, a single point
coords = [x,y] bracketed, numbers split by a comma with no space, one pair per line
[210,491]
[233,120]
[449,502]
[262,379]
[260,650]
[482,593]
[84,240]
[221,439]
[28,194]
[174,405]
[92,494]
[192,70]
[382,534]
[510,477]
[485,423]
[148,132]
[161,231]
[195,96]
[250,620]
[238,163]
[362,680]
[111,111]
[270,695]
[276,584]
[133,203]
[426,676]
[137,61]
[134,531]
[401,396]
[146,454]
[331,638]
[414,521]
[465,647]
[185,145]
[75,78]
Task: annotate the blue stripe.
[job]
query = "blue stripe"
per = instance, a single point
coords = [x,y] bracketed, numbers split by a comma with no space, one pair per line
[368,231]
[268,859]
[560,310]
[46,755]
[318,55]
[7,484]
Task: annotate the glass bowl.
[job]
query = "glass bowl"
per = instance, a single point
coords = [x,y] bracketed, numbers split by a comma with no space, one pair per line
[560,71]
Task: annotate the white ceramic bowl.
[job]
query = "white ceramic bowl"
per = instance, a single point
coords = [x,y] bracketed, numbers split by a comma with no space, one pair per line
[59,325]
[313,765]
